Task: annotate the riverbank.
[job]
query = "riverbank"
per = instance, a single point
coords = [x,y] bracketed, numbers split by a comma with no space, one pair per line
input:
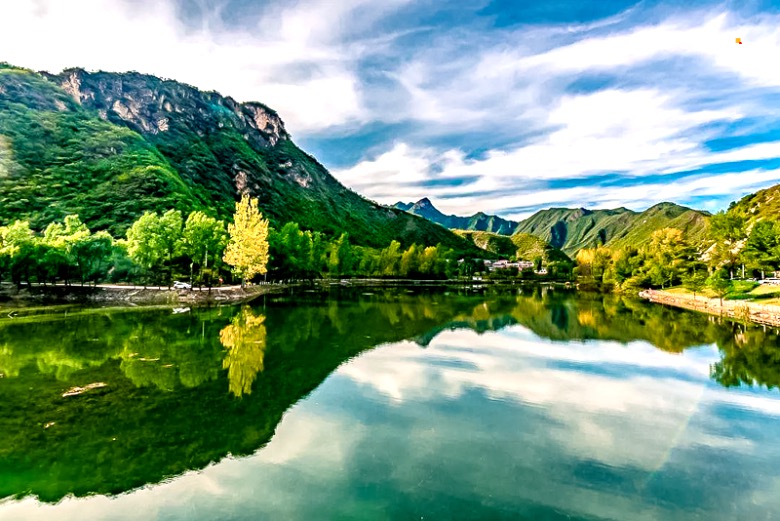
[123,295]
[762,314]
[117,295]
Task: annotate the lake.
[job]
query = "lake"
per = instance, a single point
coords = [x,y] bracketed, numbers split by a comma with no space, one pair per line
[532,403]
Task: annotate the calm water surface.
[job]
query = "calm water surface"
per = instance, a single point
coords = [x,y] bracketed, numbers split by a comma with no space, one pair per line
[380,404]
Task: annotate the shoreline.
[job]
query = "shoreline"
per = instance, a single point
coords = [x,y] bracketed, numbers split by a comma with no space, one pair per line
[105,295]
[746,311]
[115,295]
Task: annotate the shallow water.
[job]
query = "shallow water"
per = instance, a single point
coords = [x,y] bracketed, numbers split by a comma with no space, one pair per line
[386,404]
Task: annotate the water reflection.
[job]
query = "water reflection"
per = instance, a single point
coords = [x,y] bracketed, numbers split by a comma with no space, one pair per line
[244,340]
[170,404]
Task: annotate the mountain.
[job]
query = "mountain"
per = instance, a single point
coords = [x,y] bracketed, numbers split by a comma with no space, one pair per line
[110,146]
[573,229]
[692,223]
[760,205]
[477,222]
[522,246]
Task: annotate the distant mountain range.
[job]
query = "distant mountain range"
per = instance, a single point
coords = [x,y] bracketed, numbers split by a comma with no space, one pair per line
[478,222]
[570,229]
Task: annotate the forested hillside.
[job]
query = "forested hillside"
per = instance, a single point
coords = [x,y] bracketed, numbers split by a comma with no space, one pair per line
[109,147]
[571,230]
[520,246]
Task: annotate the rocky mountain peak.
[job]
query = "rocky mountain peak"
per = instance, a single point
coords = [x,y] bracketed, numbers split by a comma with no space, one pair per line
[151,105]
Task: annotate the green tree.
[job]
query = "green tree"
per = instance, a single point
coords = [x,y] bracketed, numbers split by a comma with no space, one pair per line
[18,247]
[694,282]
[203,240]
[727,230]
[389,258]
[341,259]
[93,253]
[762,249]
[144,243]
[719,284]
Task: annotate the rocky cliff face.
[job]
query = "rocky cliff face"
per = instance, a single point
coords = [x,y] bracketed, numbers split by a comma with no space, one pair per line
[148,104]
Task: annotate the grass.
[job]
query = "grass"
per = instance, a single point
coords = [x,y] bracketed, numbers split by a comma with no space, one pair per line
[679,290]
[766,291]
[742,290]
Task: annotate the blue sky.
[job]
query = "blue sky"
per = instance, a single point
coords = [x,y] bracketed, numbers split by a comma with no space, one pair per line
[500,106]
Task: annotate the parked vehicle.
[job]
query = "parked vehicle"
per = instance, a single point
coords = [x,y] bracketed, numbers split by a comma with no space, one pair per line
[181,285]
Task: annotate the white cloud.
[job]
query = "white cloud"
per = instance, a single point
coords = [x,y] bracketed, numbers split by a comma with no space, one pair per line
[499,91]
[641,131]
[714,40]
[298,60]
[508,89]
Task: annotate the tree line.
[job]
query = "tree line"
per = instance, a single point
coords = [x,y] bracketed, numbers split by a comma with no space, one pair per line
[160,248]
[733,249]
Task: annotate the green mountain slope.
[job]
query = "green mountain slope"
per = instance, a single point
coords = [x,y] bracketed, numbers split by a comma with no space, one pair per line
[574,229]
[692,223]
[56,158]
[521,246]
[760,205]
[109,146]
[477,222]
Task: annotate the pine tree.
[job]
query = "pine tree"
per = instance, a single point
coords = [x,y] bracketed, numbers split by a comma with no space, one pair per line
[247,249]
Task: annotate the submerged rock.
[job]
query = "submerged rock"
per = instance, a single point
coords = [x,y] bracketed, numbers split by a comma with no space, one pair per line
[75,391]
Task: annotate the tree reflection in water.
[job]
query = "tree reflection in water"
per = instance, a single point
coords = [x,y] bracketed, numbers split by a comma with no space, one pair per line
[244,340]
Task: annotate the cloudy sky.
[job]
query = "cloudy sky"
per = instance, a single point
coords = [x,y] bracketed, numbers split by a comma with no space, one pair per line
[504,106]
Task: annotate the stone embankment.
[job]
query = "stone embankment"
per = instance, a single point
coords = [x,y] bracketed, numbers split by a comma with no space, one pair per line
[134,295]
[736,309]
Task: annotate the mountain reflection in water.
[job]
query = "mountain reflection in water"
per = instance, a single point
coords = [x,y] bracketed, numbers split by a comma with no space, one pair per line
[186,390]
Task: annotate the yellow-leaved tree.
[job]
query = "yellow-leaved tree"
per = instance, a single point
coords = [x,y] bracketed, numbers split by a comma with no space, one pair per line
[247,249]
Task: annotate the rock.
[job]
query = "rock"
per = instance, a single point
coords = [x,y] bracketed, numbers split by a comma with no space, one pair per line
[75,391]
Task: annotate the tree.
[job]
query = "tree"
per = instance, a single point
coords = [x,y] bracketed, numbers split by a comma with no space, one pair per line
[409,263]
[17,246]
[762,249]
[92,254]
[389,259]
[668,254]
[584,260]
[341,259]
[203,238]
[728,230]
[144,244]
[694,282]
[719,284]
[247,249]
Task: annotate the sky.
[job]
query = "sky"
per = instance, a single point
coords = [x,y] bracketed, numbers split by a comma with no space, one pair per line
[501,106]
